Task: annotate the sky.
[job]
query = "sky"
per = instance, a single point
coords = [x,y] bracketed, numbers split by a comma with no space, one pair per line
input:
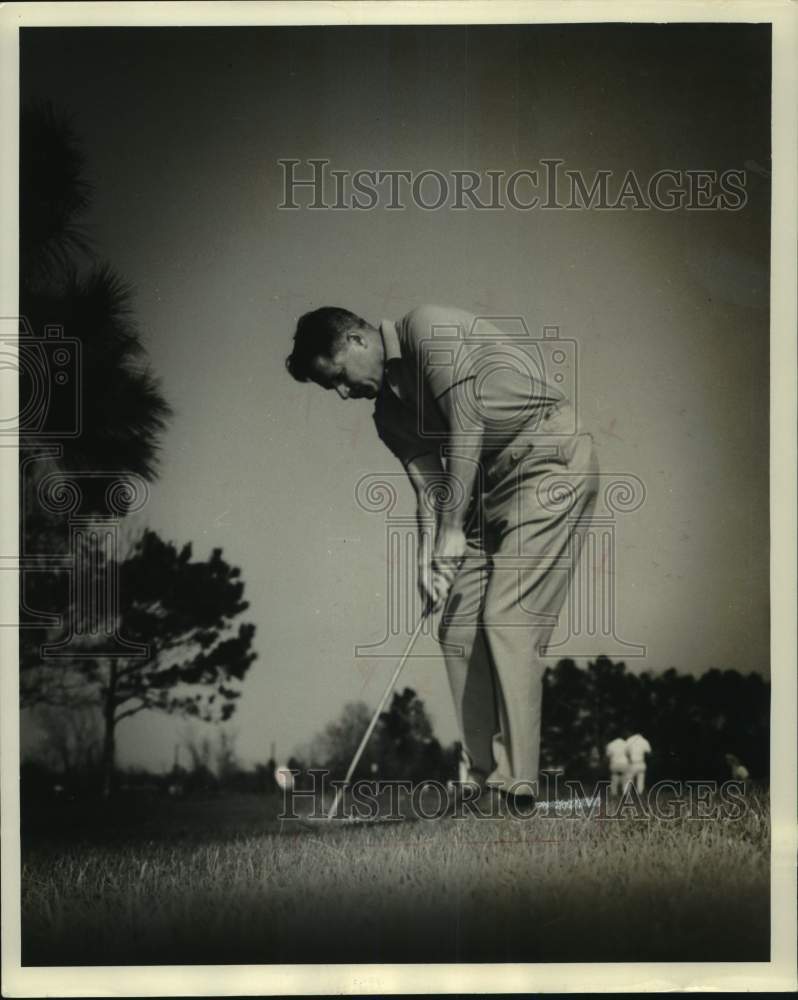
[183,130]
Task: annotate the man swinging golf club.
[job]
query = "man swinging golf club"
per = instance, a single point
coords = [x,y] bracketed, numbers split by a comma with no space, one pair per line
[455,400]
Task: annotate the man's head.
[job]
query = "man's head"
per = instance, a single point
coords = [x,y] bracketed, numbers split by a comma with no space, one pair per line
[338,350]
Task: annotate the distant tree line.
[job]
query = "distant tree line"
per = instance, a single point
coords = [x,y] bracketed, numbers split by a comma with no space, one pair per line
[402,746]
[691,723]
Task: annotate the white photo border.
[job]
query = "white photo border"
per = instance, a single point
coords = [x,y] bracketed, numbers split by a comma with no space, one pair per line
[779,974]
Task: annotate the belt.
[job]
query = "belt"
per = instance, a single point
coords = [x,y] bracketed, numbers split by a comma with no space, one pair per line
[497,467]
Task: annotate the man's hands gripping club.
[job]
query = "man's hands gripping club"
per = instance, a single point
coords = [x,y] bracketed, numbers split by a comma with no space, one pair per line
[442,540]
[438,564]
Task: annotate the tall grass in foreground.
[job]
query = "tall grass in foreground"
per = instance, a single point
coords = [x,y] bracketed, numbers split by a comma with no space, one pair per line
[531,890]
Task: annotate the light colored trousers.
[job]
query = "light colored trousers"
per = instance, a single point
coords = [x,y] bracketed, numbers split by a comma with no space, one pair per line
[636,775]
[506,598]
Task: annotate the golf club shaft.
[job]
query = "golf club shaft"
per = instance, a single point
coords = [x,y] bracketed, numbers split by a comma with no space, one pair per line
[367,735]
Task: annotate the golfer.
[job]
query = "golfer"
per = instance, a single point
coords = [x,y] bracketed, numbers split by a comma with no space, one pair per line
[637,746]
[469,410]
[618,757]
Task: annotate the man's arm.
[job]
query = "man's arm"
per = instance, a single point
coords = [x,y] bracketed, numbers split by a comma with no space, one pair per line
[426,473]
[421,461]
[451,386]
[429,481]
[462,462]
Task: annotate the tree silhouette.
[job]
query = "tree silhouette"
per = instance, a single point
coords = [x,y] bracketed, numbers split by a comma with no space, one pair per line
[123,413]
[53,195]
[73,736]
[567,721]
[335,746]
[692,723]
[182,610]
[406,745]
[402,746]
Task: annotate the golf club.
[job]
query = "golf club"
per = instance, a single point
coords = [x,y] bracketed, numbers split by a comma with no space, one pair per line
[367,735]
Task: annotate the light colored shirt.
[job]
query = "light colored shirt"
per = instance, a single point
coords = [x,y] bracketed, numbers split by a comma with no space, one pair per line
[616,751]
[432,350]
[638,746]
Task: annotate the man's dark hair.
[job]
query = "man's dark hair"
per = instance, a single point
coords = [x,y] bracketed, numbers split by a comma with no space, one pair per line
[317,335]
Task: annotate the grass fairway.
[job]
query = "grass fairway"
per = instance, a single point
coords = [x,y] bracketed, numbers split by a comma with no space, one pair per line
[220,882]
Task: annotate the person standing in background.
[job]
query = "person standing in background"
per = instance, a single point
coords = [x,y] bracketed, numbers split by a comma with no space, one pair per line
[618,763]
[637,747]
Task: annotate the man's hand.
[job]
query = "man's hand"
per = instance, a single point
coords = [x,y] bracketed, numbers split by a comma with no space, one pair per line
[450,547]
[432,587]
[438,562]
[437,568]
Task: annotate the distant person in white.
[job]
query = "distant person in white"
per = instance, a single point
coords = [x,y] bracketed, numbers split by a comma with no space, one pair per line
[284,777]
[637,747]
[619,764]
[739,772]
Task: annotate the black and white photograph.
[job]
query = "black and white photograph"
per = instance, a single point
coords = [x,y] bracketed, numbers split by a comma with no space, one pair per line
[399,431]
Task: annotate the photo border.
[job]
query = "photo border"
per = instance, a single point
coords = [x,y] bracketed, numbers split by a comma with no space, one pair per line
[777,975]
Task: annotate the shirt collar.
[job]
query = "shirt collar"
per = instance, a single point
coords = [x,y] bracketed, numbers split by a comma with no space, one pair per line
[390,340]
[393,357]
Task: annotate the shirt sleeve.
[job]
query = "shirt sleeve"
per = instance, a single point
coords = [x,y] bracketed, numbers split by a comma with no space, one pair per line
[478,378]
[447,363]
